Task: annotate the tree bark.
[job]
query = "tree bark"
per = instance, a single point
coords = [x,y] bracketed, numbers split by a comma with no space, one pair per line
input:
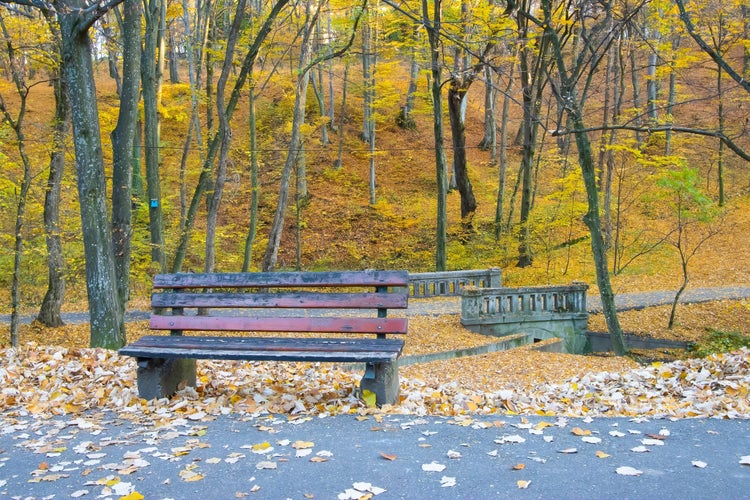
[122,148]
[456,96]
[49,312]
[433,33]
[151,78]
[106,320]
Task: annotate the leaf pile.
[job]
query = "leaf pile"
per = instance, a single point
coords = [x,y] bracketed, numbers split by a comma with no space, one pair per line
[45,381]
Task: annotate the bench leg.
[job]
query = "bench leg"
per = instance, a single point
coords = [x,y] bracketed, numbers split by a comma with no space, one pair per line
[161,377]
[381,379]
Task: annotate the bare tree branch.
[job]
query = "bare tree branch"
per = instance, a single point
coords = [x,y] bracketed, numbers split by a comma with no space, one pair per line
[705,47]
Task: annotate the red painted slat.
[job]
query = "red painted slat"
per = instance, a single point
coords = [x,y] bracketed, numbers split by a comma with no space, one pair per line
[280,324]
[282,279]
[301,300]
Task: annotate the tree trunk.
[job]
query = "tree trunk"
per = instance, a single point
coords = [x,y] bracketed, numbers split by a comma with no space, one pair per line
[635,81]
[174,69]
[225,133]
[489,139]
[254,184]
[503,161]
[342,118]
[367,70]
[592,218]
[49,312]
[122,149]
[106,321]
[270,257]
[441,233]
[405,117]
[456,96]
[151,78]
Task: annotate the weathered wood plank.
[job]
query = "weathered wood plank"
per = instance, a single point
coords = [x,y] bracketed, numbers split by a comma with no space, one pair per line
[301,300]
[282,279]
[270,349]
[280,324]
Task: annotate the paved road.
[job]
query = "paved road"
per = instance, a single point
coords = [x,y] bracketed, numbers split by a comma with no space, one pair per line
[407,456]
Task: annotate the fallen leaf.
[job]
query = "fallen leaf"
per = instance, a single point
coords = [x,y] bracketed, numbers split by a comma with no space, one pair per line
[433,467]
[369,398]
[580,432]
[628,471]
[745,460]
[522,485]
[266,465]
[300,445]
[640,449]
[591,439]
[519,467]
[447,482]
[568,451]
[388,456]
[652,442]
[133,496]
[453,454]
[699,464]
[601,454]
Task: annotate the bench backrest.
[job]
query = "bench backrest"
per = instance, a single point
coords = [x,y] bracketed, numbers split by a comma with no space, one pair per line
[331,302]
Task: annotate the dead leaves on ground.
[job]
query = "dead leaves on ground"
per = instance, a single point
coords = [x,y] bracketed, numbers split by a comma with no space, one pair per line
[41,381]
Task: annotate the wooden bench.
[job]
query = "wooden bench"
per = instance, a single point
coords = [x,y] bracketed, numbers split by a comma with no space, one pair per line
[350,303]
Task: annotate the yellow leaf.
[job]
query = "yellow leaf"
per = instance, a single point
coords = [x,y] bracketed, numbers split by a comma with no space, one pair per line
[580,432]
[369,398]
[601,454]
[519,467]
[261,446]
[522,485]
[133,496]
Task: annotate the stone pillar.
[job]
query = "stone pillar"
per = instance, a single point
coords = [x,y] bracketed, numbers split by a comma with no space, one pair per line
[382,380]
[471,304]
[162,377]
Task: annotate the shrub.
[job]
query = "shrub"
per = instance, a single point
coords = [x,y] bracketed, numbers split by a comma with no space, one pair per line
[719,341]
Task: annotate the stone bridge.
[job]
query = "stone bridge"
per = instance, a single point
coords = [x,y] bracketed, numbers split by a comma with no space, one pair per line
[540,313]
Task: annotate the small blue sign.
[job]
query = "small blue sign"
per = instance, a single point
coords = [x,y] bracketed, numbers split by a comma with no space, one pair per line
[154,204]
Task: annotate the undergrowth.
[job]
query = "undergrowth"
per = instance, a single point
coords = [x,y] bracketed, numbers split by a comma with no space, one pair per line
[718,341]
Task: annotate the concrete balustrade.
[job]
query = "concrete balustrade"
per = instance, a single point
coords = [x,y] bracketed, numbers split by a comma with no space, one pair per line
[540,312]
[451,283]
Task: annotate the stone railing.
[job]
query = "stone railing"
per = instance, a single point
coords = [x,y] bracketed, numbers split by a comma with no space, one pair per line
[452,282]
[541,312]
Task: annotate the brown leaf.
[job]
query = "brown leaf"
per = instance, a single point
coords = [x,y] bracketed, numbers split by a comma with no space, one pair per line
[388,456]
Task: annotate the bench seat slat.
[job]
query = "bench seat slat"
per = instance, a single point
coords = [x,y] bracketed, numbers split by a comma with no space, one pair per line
[279,349]
[280,324]
[282,279]
[306,300]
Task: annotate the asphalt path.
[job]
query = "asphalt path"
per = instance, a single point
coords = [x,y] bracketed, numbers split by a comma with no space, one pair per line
[398,456]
